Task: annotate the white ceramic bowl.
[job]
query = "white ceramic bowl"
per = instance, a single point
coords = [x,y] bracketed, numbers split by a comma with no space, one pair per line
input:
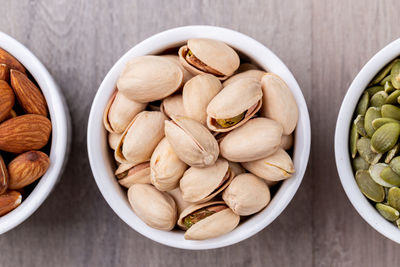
[343,163]
[101,158]
[60,137]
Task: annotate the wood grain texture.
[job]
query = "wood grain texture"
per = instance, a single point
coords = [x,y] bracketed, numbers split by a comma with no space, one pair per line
[324,43]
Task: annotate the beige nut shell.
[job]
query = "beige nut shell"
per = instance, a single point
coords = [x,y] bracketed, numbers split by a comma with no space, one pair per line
[247,194]
[286,141]
[257,139]
[113,140]
[175,58]
[136,174]
[177,196]
[255,74]
[172,106]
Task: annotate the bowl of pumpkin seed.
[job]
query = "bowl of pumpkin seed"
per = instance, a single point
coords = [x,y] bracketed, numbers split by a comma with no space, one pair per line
[367,143]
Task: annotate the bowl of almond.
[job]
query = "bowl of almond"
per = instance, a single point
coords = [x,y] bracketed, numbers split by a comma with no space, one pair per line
[34,133]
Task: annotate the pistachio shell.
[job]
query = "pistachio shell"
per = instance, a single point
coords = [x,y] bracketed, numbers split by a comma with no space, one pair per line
[212,226]
[119,112]
[395,74]
[197,94]
[363,104]
[371,114]
[387,212]
[279,103]
[130,174]
[246,66]
[202,184]
[173,106]
[191,141]
[141,137]
[241,96]
[157,209]
[365,151]
[286,142]
[113,140]
[218,56]
[149,78]
[385,137]
[257,139]
[175,58]
[166,168]
[276,167]
[369,187]
[390,111]
[255,74]
[180,203]
[394,197]
[236,168]
[246,194]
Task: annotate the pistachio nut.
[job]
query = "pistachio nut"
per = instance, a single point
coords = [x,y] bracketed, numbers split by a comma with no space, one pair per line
[387,212]
[141,137]
[365,151]
[149,78]
[130,174]
[378,99]
[191,141]
[173,106]
[180,203]
[276,167]
[390,111]
[197,94]
[363,104]
[113,140]
[359,163]
[207,220]
[371,114]
[119,112]
[385,137]
[175,58]
[257,139]
[157,209]
[199,185]
[209,56]
[393,197]
[369,187]
[279,103]
[166,169]
[3,176]
[234,105]
[353,140]
[254,73]
[246,194]
[383,73]
[395,75]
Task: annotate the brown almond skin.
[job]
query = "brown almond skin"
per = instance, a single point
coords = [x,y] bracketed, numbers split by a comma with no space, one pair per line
[27,168]
[28,94]
[4,72]
[3,176]
[9,60]
[9,201]
[7,100]
[24,133]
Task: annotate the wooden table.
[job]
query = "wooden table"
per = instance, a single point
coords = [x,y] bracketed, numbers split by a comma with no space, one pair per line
[323,42]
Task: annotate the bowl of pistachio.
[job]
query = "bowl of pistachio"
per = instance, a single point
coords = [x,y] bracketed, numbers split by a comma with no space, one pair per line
[367,144]
[198,137]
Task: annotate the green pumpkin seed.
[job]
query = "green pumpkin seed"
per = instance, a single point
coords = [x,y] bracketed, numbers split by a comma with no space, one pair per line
[353,140]
[374,89]
[359,163]
[381,121]
[393,196]
[359,122]
[375,173]
[395,73]
[390,111]
[389,176]
[392,98]
[368,187]
[365,151]
[395,165]
[388,87]
[387,212]
[362,104]
[371,114]
[383,73]
[398,100]
[386,79]
[385,137]
[398,223]
[392,153]
[378,99]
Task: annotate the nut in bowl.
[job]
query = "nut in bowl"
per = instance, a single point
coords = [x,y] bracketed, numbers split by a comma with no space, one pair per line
[198,126]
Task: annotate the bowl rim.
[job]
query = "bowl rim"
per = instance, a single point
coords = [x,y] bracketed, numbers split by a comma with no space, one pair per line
[61,133]
[343,165]
[96,135]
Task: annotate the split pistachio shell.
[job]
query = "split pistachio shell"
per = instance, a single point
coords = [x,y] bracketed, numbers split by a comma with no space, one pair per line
[246,194]
[214,225]
[197,94]
[175,58]
[363,104]
[369,187]
[157,209]
[286,141]
[173,106]
[141,137]
[166,169]
[257,139]
[279,103]
[209,56]
[254,74]
[113,140]
[241,98]
[365,151]
[371,114]
[180,203]
[191,141]
[387,212]
[276,167]
[202,184]
[149,78]
[394,197]
[119,112]
[130,174]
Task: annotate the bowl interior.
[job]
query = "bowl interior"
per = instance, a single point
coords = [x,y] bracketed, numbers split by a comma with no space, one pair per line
[59,138]
[342,154]
[102,162]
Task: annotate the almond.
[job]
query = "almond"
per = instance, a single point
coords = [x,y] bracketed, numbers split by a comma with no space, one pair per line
[7,100]
[3,176]
[4,72]
[9,201]
[24,133]
[9,60]
[28,94]
[27,168]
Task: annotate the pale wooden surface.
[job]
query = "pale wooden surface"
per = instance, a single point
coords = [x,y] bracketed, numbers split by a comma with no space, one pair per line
[323,42]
